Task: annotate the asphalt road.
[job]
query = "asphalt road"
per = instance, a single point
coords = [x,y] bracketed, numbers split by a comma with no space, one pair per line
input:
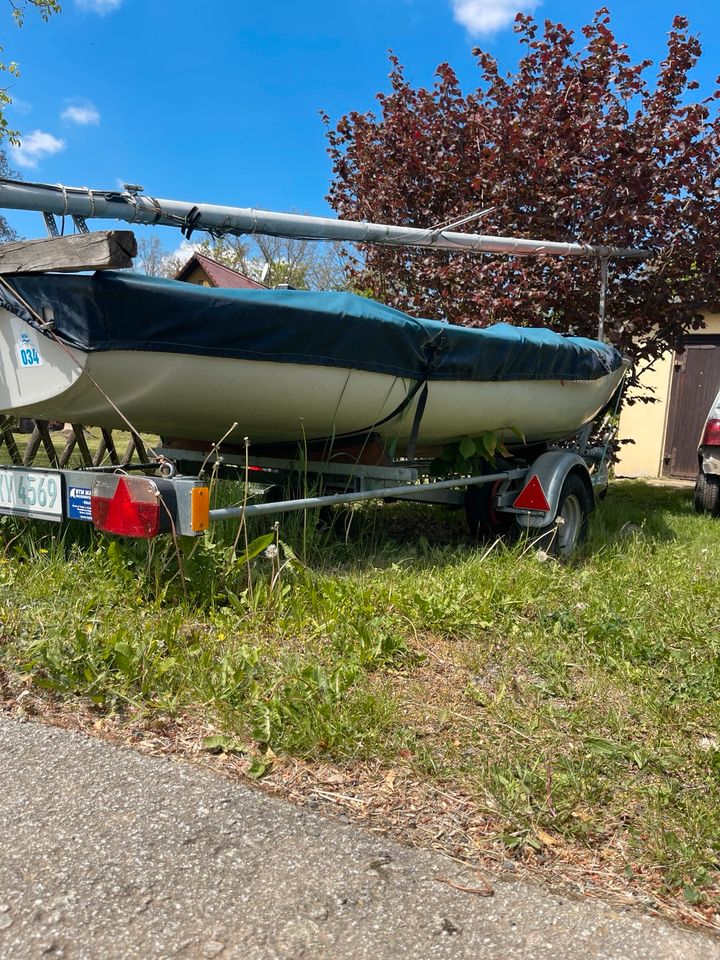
[107,854]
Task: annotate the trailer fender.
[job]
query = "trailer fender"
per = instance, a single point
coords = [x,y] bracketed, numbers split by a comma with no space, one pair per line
[552,469]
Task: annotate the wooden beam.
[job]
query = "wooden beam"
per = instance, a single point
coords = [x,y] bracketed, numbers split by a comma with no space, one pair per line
[106,445]
[6,434]
[79,432]
[67,451]
[100,250]
[43,427]
[32,447]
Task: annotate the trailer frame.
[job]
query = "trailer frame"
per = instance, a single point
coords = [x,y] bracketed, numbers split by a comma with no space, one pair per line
[179,480]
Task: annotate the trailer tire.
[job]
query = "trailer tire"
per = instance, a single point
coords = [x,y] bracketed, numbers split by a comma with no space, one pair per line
[707,493]
[484,522]
[568,528]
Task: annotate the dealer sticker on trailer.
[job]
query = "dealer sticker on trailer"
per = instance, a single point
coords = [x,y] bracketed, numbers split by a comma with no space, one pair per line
[79,503]
[31,493]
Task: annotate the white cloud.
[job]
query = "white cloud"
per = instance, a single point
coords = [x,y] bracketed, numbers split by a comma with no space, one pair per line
[34,147]
[99,6]
[487,16]
[20,106]
[85,114]
[183,252]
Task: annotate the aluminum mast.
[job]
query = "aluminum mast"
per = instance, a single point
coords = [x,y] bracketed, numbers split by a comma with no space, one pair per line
[130,205]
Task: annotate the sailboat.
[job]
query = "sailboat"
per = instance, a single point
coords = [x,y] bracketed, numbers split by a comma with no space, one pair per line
[280,366]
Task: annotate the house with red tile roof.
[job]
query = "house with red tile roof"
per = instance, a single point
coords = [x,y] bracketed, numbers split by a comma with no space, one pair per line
[207,272]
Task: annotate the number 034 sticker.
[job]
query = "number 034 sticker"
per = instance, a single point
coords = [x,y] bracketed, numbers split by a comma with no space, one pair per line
[28,353]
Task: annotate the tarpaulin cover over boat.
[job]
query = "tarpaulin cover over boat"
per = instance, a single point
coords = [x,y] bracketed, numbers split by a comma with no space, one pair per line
[113,311]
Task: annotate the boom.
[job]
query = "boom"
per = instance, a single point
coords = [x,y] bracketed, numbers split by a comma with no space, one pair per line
[130,205]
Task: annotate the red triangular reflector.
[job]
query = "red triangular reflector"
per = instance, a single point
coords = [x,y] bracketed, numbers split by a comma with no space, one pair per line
[532,496]
[124,515]
[120,507]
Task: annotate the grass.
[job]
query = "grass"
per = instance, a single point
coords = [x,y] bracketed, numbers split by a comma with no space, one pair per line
[573,708]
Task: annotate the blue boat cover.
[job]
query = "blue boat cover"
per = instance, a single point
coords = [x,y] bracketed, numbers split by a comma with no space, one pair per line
[125,311]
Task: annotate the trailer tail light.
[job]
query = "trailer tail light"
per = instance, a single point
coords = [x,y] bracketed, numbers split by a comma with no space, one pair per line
[711,435]
[129,506]
[532,496]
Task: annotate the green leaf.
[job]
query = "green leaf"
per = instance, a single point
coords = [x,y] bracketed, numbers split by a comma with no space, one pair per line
[601,747]
[518,433]
[259,767]
[691,894]
[238,603]
[221,744]
[289,553]
[262,724]
[257,546]
[489,442]
[467,447]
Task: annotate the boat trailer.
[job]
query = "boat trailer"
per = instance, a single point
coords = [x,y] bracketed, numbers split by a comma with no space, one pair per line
[547,495]
[142,492]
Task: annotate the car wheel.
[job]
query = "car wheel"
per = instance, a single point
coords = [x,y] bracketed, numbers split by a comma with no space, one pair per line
[707,493]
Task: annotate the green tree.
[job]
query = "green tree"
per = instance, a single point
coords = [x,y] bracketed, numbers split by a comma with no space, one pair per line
[233,252]
[303,264]
[154,260]
[19,8]
[45,8]
[7,234]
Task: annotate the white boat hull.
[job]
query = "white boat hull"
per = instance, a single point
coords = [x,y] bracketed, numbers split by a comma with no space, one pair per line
[199,397]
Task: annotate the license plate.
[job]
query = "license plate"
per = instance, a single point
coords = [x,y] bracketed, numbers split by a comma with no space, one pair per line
[31,493]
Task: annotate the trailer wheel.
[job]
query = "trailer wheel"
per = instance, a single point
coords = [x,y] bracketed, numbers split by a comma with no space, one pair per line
[484,522]
[568,529]
[707,493]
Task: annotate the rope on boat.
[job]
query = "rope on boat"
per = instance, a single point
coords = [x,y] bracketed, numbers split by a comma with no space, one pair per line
[433,348]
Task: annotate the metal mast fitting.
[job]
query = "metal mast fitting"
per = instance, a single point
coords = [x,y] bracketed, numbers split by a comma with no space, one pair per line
[130,205]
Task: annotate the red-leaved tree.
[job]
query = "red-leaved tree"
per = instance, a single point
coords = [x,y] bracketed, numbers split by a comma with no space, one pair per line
[575,145]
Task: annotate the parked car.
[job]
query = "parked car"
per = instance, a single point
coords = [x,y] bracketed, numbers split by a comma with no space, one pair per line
[707,486]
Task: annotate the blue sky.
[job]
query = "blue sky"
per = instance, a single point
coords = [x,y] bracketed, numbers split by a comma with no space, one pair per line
[220,102]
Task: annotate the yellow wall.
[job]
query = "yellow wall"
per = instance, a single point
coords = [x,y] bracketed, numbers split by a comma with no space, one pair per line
[197,275]
[645,422]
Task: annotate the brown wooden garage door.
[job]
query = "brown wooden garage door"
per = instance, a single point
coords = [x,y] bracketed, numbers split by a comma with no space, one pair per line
[695,383]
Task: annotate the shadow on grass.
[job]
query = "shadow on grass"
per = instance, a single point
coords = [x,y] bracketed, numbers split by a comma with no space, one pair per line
[437,536]
[633,507]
